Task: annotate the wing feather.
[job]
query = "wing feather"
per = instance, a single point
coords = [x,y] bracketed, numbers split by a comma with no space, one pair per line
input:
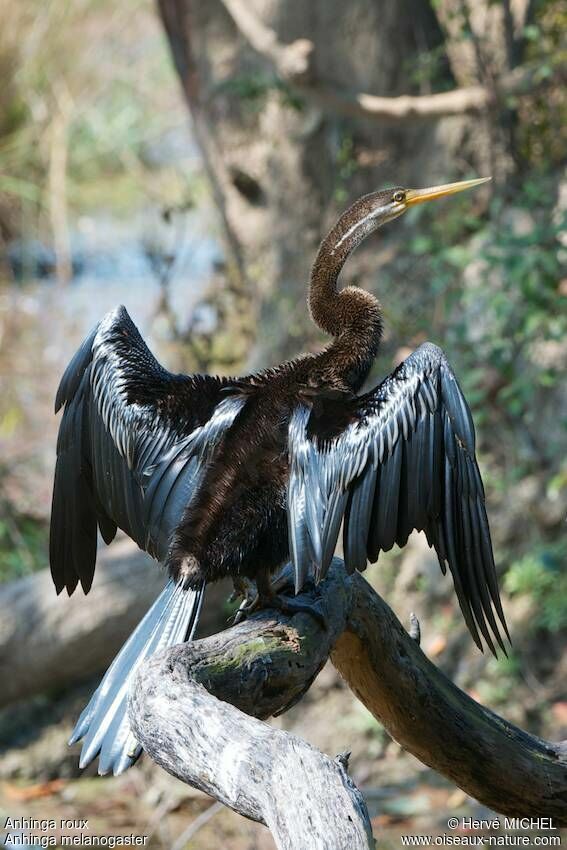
[405,461]
[357,517]
[133,443]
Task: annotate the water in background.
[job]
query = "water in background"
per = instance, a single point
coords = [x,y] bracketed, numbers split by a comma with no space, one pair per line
[112,265]
[42,322]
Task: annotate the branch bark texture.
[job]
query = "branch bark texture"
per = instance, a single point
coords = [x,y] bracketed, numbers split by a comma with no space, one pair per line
[502,766]
[262,666]
[193,709]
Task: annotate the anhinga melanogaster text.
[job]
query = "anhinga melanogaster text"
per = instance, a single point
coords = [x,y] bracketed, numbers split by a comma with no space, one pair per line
[233,477]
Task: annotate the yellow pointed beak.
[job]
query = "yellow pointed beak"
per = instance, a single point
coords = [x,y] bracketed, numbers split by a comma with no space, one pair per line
[419,196]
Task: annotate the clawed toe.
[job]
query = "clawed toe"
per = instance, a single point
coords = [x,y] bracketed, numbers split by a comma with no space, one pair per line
[285,604]
[256,599]
[246,589]
[246,608]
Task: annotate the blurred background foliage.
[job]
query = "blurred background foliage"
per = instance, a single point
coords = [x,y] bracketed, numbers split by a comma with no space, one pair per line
[105,198]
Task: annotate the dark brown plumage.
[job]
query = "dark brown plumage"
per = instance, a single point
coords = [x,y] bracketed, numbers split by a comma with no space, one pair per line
[218,476]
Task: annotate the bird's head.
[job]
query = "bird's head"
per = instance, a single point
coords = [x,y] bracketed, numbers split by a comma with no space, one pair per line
[393,202]
[372,211]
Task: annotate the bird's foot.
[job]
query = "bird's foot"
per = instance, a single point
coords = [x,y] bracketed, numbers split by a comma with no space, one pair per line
[256,599]
[245,588]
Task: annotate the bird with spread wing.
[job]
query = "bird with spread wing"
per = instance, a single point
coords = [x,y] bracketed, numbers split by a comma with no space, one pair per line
[234,477]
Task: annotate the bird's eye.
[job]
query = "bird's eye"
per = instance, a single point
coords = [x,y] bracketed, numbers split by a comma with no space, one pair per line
[399,197]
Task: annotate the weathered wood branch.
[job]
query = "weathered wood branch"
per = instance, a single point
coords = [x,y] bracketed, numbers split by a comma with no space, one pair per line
[266,664]
[294,64]
[262,666]
[507,769]
[292,61]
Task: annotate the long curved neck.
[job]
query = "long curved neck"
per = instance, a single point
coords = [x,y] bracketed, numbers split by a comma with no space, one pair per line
[351,315]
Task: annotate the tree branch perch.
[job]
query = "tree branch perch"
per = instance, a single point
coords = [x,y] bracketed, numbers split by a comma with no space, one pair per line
[438,723]
[261,667]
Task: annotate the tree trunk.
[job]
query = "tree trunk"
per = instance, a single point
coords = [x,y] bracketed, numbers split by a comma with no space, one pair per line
[300,107]
[281,166]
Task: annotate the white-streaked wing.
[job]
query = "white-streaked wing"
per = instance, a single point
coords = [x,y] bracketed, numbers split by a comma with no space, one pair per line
[405,461]
[132,446]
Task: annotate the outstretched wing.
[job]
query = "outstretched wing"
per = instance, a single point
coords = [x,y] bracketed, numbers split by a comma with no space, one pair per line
[404,459]
[132,445]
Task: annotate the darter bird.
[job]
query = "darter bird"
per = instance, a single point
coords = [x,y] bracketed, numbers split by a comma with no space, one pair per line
[234,477]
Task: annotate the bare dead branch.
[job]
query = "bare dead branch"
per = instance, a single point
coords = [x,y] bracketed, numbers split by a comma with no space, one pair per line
[291,60]
[502,766]
[263,666]
[293,63]
[266,664]
[48,640]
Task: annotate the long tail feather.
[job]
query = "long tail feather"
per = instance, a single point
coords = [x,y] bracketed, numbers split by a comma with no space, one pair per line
[104,722]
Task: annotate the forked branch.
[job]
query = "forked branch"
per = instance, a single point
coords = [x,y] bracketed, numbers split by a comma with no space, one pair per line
[261,667]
